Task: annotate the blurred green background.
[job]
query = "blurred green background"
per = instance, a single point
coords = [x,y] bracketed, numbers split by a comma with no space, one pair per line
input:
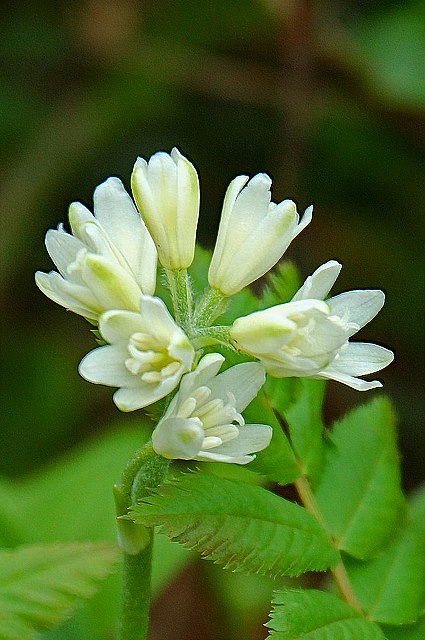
[327,97]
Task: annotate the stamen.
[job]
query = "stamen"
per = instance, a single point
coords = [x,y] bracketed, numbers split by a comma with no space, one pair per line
[211,443]
[186,408]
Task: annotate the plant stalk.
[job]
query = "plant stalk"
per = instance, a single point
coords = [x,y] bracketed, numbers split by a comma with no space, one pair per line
[145,470]
[181,295]
[136,595]
[339,572]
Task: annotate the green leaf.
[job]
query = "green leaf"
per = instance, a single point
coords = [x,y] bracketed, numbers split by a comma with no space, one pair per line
[281,285]
[391,587]
[359,493]
[417,508]
[277,461]
[242,526]
[317,615]
[408,632]
[299,401]
[41,585]
[75,491]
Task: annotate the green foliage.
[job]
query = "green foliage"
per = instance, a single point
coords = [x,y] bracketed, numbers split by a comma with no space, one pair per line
[317,615]
[391,587]
[408,632]
[281,285]
[75,494]
[359,493]
[299,402]
[277,461]
[241,526]
[41,585]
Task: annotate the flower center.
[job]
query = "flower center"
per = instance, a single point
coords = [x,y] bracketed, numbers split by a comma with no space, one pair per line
[150,359]
[317,336]
[216,416]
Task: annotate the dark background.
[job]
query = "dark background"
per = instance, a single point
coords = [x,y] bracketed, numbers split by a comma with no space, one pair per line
[327,97]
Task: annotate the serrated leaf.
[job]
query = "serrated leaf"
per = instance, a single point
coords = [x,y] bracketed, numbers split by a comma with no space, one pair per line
[88,470]
[41,585]
[359,492]
[241,526]
[391,587]
[317,615]
[299,401]
[281,285]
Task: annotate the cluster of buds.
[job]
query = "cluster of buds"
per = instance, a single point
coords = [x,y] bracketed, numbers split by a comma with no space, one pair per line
[107,272]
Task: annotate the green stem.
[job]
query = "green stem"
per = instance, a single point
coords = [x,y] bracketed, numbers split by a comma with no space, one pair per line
[181,295]
[339,573]
[212,304]
[205,336]
[135,595]
[145,470]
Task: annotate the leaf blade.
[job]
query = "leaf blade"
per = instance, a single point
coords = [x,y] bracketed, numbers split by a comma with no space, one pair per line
[391,587]
[42,584]
[318,615]
[298,402]
[241,526]
[359,492]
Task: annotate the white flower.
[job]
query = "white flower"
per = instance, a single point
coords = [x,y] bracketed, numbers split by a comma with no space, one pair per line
[253,233]
[203,421]
[108,262]
[166,191]
[147,355]
[308,337]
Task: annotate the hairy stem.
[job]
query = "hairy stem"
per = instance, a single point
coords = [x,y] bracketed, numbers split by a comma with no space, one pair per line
[211,305]
[181,295]
[145,470]
[339,572]
[135,595]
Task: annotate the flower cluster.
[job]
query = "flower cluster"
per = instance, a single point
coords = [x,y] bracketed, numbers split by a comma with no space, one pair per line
[107,272]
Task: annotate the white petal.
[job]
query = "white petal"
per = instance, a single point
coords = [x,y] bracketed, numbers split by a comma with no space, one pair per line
[276,230]
[62,248]
[320,282]
[243,381]
[105,365]
[180,348]
[213,456]
[305,220]
[79,216]
[71,296]
[115,211]
[219,259]
[178,438]
[357,306]
[350,381]
[251,206]
[114,286]
[129,399]
[187,208]
[117,326]
[251,438]
[207,368]
[361,358]
[157,319]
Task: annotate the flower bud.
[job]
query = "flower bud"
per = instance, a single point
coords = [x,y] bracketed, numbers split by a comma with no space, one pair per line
[166,191]
[253,233]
